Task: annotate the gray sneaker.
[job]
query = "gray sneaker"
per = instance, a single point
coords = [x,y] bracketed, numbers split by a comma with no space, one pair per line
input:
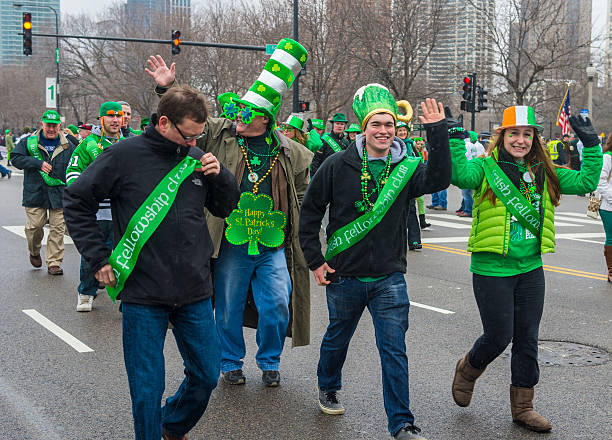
[270,378]
[409,432]
[329,403]
[234,377]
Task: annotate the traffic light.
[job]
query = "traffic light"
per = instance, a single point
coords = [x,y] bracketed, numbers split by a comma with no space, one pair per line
[27,33]
[467,105]
[482,98]
[176,42]
[303,106]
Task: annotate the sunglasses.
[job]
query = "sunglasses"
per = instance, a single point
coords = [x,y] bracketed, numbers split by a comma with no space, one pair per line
[114,113]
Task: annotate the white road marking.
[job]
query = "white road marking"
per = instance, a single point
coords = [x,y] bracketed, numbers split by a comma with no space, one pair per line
[565,217]
[451,217]
[19,230]
[448,224]
[58,331]
[434,240]
[577,236]
[435,309]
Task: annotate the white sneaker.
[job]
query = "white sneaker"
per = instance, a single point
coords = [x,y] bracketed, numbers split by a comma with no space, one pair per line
[85,303]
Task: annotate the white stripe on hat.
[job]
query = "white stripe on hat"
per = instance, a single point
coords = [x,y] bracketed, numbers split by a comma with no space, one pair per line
[287,60]
[521,112]
[273,81]
[258,100]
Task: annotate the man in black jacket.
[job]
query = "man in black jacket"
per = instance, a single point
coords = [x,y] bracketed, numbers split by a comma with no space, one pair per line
[170,279]
[43,157]
[334,141]
[368,188]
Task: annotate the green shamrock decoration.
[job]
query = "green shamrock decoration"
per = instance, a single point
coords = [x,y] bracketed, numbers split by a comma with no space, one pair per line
[254,222]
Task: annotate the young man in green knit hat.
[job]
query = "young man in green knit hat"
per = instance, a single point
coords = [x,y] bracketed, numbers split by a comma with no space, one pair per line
[367,189]
[44,157]
[273,174]
[107,134]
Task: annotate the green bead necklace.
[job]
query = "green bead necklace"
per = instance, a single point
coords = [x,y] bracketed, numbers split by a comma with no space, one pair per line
[365,205]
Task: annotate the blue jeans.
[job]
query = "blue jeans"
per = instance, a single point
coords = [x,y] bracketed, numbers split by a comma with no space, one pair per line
[387,301]
[468,201]
[4,171]
[144,333]
[89,284]
[268,275]
[439,199]
[510,310]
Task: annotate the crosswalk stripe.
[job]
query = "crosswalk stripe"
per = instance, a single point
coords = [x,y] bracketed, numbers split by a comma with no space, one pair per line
[19,230]
[565,217]
[448,224]
[451,217]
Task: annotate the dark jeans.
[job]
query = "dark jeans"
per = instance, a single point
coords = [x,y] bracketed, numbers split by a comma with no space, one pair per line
[89,284]
[414,229]
[510,310]
[387,301]
[144,333]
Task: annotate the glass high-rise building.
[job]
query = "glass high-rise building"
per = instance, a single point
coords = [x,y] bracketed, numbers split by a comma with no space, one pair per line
[11,24]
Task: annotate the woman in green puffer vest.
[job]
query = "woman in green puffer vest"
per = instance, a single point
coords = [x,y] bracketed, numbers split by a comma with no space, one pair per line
[516,190]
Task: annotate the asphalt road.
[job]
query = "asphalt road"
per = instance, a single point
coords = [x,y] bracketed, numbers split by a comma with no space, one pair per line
[49,390]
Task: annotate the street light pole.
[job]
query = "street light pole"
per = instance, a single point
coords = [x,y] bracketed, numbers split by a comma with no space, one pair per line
[57,51]
[591,71]
[296,83]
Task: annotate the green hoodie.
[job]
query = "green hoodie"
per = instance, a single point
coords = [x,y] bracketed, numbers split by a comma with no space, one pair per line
[500,245]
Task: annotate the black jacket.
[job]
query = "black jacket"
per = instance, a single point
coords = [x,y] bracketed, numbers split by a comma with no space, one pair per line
[338,184]
[36,193]
[325,151]
[173,268]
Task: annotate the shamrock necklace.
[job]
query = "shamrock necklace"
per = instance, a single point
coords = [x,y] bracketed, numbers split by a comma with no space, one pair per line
[253,177]
[365,204]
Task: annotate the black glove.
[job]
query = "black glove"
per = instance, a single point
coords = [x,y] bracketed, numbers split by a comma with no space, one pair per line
[584,130]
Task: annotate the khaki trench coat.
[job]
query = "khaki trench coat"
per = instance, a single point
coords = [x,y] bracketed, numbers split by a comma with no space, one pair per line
[220,140]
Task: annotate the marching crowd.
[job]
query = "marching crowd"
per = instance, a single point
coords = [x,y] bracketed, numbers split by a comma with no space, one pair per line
[193,206]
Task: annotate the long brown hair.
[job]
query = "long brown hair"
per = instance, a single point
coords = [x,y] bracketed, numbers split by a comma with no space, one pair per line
[608,146]
[537,154]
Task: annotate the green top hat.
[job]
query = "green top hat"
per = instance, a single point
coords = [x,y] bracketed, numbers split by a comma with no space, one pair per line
[73,129]
[51,117]
[339,117]
[144,122]
[353,128]
[372,99]
[318,123]
[286,62]
[111,108]
[295,122]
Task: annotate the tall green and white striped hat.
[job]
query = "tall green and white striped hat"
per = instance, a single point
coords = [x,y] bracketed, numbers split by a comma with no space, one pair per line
[518,116]
[278,75]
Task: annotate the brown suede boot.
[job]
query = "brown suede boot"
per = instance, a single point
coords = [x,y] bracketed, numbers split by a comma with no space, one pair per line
[608,255]
[521,403]
[464,380]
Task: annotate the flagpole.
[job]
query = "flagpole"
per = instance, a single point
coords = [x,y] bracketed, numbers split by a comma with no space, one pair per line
[562,102]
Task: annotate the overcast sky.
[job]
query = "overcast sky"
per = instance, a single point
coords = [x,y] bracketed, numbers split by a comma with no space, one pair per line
[95,6]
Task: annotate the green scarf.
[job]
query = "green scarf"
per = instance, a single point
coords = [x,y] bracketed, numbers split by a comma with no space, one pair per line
[32,145]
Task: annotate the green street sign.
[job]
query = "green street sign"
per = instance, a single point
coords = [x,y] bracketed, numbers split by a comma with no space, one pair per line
[57,55]
[419,127]
[270,48]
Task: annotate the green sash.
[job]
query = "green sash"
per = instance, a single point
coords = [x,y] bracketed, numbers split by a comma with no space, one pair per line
[145,221]
[355,231]
[32,144]
[331,142]
[511,197]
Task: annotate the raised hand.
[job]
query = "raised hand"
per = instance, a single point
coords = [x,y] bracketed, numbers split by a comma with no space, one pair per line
[160,72]
[432,111]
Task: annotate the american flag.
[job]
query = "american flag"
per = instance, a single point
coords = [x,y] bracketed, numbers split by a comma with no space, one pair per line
[564,114]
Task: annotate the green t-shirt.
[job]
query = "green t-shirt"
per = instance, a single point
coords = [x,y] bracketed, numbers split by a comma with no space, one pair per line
[377,167]
[523,251]
[260,155]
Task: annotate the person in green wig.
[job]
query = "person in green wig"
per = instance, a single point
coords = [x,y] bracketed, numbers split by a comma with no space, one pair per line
[102,137]
[44,156]
[274,171]
[367,188]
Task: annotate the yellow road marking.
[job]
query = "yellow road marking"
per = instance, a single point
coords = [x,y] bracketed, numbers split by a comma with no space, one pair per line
[556,269]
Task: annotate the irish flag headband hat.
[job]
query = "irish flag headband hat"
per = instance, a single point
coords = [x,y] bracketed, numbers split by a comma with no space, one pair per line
[518,116]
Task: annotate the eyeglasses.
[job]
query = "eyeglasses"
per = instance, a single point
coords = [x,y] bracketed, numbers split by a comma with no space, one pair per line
[247,113]
[187,138]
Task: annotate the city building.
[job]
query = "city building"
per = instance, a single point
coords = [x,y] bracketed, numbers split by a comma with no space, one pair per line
[148,10]
[11,24]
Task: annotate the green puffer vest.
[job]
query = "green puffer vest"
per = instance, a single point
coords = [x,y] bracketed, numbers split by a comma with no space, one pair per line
[491,224]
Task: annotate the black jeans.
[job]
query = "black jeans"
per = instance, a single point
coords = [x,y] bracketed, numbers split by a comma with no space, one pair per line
[510,310]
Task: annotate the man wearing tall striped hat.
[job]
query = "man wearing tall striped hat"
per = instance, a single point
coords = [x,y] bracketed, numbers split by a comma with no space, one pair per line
[257,245]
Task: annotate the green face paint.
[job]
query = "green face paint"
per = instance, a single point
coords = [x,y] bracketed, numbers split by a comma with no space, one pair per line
[510,135]
[530,138]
